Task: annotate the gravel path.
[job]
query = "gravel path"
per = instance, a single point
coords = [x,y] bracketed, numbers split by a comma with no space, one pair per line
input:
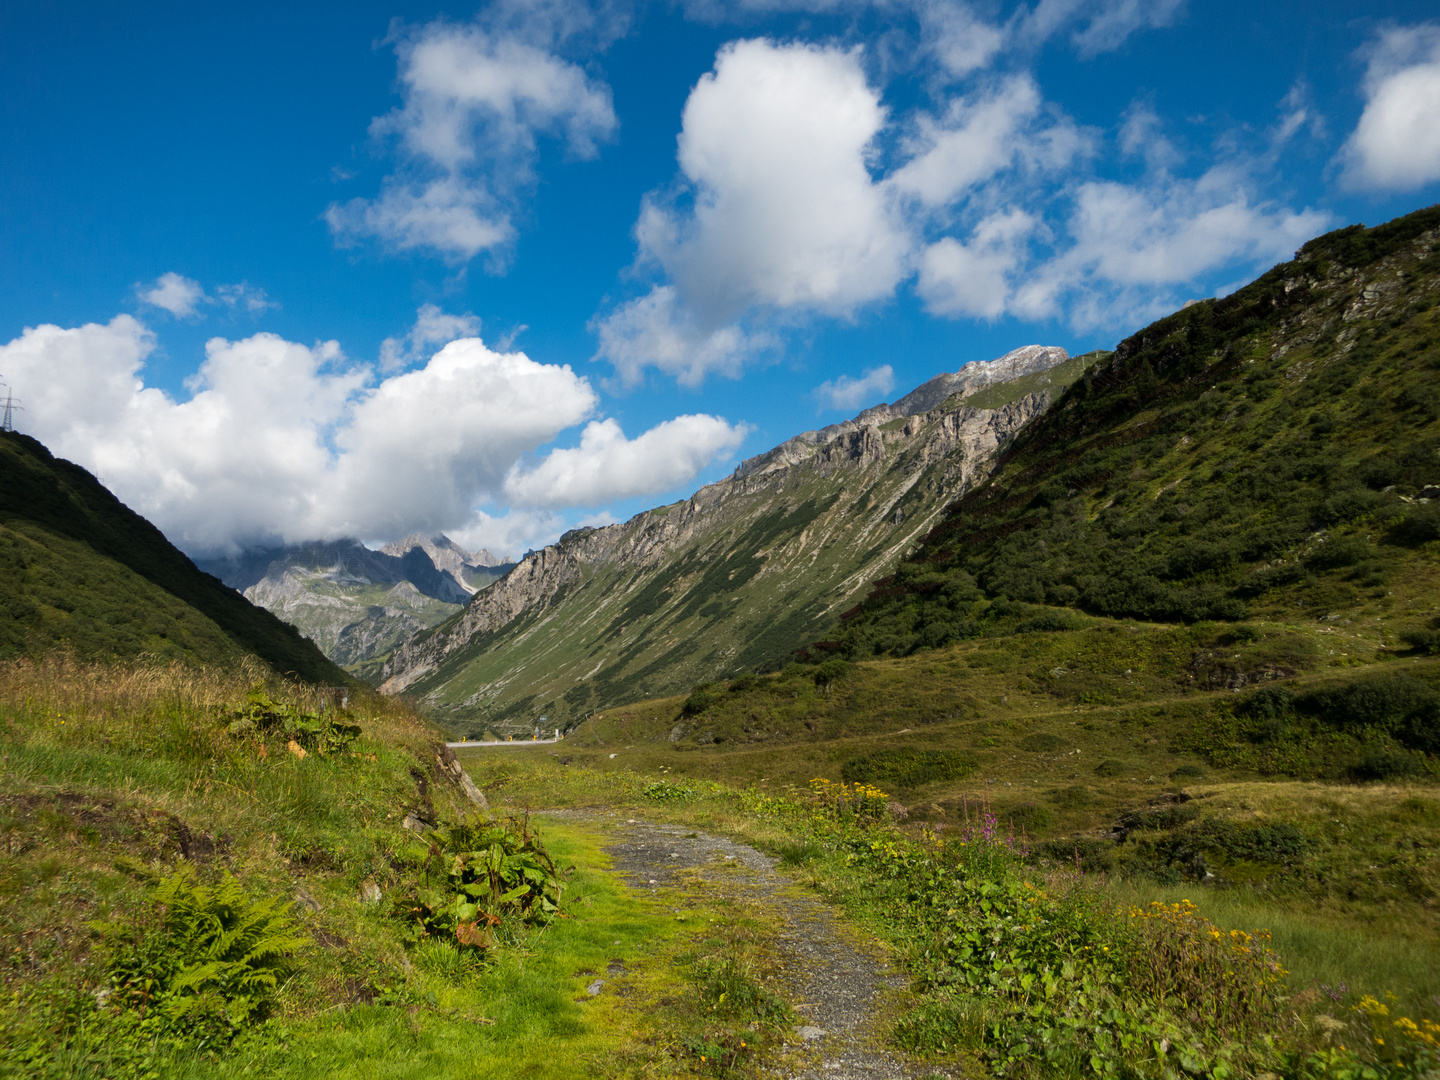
[834,986]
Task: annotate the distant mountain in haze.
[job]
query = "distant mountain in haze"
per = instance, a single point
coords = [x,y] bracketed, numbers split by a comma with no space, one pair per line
[356,603]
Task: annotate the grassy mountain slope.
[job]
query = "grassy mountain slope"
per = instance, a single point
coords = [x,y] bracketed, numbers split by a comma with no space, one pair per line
[727,581]
[1269,455]
[87,572]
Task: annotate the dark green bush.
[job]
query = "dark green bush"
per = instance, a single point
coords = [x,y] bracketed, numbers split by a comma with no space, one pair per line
[1386,765]
[1090,855]
[1071,798]
[1405,707]
[1050,621]
[1339,551]
[1420,525]
[1187,772]
[700,699]
[1041,743]
[1028,817]
[1110,768]
[741,683]
[906,767]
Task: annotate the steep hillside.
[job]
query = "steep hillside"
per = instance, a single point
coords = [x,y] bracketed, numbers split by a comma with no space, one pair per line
[357,604]
[732,578]
[1269,456]
[85,572]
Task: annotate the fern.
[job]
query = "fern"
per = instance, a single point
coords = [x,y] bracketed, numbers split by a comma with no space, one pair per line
[206,962]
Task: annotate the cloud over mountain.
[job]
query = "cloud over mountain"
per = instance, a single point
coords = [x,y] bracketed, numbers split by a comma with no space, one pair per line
[282,441]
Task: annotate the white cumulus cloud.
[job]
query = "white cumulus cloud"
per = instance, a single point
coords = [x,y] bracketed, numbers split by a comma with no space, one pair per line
[475,102]
[174,293]
[1396,144]
[973,278]
[777,212]
[432,328]
[849,394]
[656,330]
[606,465]
[287,442]
[774,145]
[183,297]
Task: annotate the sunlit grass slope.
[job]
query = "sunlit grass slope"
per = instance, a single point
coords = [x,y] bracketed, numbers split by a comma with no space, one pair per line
[119,783]
[1270,455]
[85,572]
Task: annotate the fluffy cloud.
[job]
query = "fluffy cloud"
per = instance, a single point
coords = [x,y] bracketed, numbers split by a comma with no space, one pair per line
[474,103]
[773,145]
[847,394]
[974,278]
[182,296]
[1396,145]
[281,441]
[174,293]
[1130,242]
[432,327]
[657,331]
[780,212]
[606,465]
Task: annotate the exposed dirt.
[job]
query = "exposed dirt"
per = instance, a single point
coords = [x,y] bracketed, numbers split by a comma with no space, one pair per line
[836,985]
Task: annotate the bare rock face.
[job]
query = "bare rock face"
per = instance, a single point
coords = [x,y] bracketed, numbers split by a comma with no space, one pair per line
[739,574]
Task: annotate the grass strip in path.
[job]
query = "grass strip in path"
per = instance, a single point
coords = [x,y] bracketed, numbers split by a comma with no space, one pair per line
[525,1015]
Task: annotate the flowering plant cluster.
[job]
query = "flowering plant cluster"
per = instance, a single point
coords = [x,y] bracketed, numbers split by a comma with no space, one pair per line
[849,802]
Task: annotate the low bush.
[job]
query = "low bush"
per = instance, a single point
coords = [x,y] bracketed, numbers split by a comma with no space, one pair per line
[1386,766]
[700,699]
[906,767]
[1111,768]
[1041,743]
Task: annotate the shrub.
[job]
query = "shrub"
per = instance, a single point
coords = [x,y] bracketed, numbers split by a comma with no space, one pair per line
[1088,854]
[741,683]
[1386,765]
[700,699]
[832,670]
[316,733]
[1187,772]
[1041,743]
[1423,639]
[906,767]
[484,874]
[1111,768]
[1406,707]
[1050,621]
[1071,798]
[1420,525]
[1029,817]
[1339,551]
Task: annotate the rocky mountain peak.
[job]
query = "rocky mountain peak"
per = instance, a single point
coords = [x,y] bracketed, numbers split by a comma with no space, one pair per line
[928,396]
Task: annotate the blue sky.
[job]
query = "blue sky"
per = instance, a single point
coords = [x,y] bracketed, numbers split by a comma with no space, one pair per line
[236,242]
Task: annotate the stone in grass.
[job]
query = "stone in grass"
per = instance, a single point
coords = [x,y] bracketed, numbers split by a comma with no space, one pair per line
[810,1031]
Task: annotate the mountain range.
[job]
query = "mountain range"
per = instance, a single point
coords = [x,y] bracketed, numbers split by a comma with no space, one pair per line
[732,578]
[357,603]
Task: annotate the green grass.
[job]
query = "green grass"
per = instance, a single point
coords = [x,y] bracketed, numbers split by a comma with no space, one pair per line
[88,574]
